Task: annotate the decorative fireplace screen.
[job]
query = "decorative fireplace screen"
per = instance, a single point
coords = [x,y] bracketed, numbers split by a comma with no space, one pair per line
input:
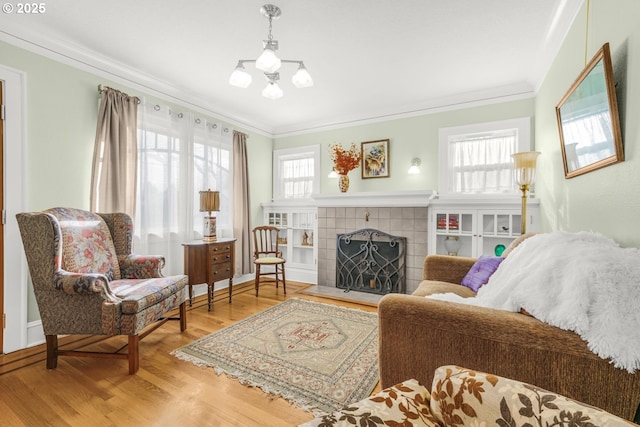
[371,261]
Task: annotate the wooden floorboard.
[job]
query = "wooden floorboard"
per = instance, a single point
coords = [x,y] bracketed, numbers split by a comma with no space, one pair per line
[166,391]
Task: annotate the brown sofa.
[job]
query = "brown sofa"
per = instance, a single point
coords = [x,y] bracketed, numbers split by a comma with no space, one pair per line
[417,335]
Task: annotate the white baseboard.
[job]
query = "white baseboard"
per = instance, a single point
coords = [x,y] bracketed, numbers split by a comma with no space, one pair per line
[35,333]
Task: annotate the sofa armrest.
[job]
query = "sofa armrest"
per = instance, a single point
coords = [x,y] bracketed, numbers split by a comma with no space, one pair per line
[445,268]
[79,283]
[417,335]
[141,266]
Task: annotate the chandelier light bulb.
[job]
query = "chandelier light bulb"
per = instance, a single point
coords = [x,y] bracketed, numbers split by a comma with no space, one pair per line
[272,91]
[302,78]
[240,77]
[268,61]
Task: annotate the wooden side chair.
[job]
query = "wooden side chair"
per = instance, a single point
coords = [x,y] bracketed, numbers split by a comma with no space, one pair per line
[267,254]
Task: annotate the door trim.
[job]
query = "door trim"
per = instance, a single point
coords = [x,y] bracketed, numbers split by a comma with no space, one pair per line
[15,272]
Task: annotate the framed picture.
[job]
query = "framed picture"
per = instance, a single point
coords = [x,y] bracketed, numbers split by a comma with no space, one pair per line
[375,159]
[590,134]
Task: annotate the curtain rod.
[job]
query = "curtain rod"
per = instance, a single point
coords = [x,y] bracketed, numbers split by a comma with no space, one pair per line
[101,89]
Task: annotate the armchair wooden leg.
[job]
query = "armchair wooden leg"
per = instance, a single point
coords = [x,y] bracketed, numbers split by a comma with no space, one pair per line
[133,353]
[52,351]
[257,277]
[183,316]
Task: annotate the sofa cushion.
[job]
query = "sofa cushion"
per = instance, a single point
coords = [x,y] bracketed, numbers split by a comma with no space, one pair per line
[461,396]
[480,272]
[403,404]
[139,294]
[430,287]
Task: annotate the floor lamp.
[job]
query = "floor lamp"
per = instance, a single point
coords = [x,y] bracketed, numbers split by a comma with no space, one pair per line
[525,174]
[209,202]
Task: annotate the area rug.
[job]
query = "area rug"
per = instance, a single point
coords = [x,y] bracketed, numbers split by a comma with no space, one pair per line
[317,356]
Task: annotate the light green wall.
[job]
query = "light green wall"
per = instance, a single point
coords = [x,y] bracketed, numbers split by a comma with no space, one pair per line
[61,114]
[606,200]
[408,138]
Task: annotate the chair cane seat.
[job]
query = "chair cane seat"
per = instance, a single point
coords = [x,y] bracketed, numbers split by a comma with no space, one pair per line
[270,260]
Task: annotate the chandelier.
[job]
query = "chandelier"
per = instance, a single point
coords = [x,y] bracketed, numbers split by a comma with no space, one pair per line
[269,63]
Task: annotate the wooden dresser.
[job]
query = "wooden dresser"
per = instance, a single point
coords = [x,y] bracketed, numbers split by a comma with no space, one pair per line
[209,262]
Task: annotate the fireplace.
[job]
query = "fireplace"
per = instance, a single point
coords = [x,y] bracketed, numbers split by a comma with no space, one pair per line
[401,213]
[370,260]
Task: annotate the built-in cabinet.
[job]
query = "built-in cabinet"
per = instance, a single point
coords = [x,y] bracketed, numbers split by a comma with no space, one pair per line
[296,239]
[474,228]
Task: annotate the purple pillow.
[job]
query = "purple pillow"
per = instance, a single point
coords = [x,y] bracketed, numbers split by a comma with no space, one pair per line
[479,274]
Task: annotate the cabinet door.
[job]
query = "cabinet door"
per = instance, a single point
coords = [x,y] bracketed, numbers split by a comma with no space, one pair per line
[452,232]
[296,238]
[496,229]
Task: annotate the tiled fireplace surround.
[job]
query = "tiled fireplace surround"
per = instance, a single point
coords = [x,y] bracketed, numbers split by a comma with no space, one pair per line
[408,221]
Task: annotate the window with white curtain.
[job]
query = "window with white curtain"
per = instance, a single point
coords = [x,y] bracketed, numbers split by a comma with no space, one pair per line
[476,159]
[296,172]
[178,156]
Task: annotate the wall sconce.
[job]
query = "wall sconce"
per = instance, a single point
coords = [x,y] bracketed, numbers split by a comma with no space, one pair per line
[415,166]
[209,202]
[525,175]
[333,174]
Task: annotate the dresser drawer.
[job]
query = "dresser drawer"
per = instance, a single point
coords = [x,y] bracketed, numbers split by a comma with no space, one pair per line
[220,249]
[220,258]
[220,272]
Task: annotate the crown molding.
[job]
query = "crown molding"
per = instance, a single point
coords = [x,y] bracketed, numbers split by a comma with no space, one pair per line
[97,64]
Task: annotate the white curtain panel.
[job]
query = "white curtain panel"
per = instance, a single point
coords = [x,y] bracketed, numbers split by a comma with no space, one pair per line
[482,164]
[178,156]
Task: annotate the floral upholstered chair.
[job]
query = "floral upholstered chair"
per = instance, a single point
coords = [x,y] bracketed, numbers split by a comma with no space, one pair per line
[86,280]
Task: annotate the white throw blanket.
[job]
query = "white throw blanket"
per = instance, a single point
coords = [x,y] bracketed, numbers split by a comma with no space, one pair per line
[582,282]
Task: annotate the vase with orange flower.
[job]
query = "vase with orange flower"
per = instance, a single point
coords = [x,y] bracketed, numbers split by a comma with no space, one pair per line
[344,161]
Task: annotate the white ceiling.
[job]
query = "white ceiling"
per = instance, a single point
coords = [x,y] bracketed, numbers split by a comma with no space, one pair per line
[369,59]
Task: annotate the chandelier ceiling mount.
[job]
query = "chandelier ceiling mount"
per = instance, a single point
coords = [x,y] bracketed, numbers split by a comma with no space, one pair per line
[269,63]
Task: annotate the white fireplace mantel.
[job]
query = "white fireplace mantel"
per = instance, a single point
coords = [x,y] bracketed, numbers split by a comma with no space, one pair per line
[374,199]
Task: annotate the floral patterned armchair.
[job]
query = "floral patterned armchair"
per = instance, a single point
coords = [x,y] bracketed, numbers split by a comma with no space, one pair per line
[86,280]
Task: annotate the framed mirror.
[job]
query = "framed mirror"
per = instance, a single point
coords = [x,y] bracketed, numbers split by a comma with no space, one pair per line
[588,119]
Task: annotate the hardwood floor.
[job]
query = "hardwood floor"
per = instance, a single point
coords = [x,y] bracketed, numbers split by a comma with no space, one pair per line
[165,392]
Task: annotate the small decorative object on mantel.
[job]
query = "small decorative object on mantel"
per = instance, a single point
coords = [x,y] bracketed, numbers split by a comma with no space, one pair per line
[344,161]
[375,159]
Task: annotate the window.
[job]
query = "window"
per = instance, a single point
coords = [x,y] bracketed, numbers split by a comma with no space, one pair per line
[212,169]
[178,156]
[296,172]
[476,159]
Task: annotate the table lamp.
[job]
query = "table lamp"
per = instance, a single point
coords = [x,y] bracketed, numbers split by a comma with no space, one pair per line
[209,202]
[525,174]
